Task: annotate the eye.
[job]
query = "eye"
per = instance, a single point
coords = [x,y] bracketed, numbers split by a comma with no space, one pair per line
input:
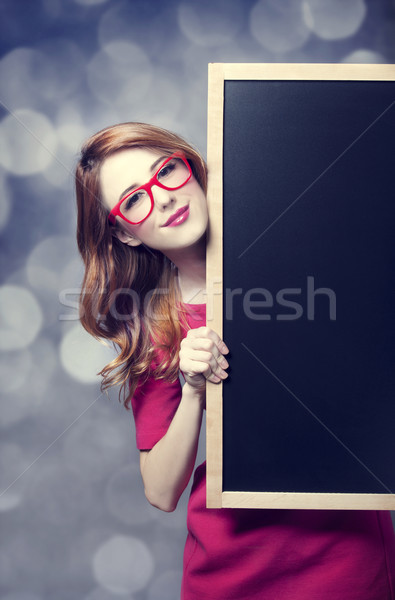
[167,170]
[132,200]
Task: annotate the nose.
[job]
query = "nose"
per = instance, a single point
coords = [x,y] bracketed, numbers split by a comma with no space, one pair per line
[162,197]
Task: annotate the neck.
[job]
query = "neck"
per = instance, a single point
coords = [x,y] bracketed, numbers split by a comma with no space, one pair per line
[191,267]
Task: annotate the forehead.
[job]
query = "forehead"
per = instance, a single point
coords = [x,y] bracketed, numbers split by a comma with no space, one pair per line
[125,168]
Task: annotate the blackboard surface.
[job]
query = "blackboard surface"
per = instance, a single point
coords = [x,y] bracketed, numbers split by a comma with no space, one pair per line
[309,286]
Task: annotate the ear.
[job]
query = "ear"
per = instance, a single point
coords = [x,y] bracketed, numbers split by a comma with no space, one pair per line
[125,238]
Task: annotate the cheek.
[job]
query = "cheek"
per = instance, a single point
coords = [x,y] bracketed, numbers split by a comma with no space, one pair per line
[198,195]
[128,228]
[204,206]
[135,231]
[143,231]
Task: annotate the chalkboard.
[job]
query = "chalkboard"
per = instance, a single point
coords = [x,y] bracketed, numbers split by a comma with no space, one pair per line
[301,284]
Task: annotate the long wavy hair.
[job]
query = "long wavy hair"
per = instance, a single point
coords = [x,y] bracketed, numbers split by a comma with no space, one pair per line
[129,295]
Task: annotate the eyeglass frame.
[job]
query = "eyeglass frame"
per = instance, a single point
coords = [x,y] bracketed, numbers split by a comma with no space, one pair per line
[116,212]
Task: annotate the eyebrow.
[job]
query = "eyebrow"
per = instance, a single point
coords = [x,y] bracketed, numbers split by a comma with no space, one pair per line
[136,185]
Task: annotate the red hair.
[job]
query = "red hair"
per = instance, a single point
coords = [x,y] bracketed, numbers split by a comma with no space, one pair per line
[129,294]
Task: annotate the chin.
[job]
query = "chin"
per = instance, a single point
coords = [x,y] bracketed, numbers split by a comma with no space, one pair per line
[195,239]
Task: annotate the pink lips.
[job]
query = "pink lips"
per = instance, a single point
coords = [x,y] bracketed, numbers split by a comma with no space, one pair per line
[178,217]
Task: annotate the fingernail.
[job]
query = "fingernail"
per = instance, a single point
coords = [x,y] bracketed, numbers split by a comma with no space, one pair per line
[225,348]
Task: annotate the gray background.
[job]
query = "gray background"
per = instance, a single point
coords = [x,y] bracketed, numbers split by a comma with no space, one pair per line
[74,520]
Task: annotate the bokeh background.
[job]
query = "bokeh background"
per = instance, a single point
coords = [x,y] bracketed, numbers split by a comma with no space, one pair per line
[74,520]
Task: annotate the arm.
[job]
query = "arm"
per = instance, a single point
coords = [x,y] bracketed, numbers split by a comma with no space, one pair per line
[167,467]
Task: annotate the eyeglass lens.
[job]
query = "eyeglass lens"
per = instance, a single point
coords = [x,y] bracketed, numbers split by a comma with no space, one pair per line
[172,175]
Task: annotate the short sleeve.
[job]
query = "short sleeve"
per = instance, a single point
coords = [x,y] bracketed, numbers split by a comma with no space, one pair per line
[154,405]
[155,401]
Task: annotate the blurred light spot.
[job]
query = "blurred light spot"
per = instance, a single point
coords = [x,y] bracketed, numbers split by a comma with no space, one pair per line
[166,587]
[364,56]
[40,77]
[17,407]
[72,136]
[57,493]
[14,369]
[72,274]
[166,112]
[30,395]
[18,278]
[210,23]
[45,268]
[21,596]
[147,24]
[9,500]
[20,317]
[47,260]
[176,520]
[25,555]
[125,497]
[120,74]
[69,113]
[13,462]
[60,172]
[85,109]
[5,204]
[27,142]
[19,71]
[69,290]
[72,130]
[82,356]
[90,2]
[279,26]
[83,543]
[196,59]
[118,21]
[334,20]
[107,447]
[168,550]
[123,564]
[45,361]
[64,69]
[100,593]
[52,8]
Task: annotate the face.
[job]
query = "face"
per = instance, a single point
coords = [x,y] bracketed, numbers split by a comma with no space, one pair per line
[135,167]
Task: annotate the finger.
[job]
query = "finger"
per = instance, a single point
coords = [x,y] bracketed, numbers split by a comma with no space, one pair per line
[203,344]
[206,332]
[206,357]
[214,379]
[210,345]
[193,367]
[207,368]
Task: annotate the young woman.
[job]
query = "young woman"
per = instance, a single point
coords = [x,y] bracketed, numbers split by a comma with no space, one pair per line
[142,223]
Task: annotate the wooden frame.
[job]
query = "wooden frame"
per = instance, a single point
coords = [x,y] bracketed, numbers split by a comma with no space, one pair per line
[218,74]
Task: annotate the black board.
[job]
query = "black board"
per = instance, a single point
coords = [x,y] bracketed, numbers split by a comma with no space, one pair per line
[309,286]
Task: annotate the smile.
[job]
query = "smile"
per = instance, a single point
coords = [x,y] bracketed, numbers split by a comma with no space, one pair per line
[178,217]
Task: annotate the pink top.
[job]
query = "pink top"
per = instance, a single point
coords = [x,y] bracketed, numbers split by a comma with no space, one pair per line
[246,554]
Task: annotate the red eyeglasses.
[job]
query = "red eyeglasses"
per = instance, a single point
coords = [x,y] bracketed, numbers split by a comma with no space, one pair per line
[138,204]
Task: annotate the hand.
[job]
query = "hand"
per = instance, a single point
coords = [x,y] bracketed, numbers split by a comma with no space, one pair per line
[201,357]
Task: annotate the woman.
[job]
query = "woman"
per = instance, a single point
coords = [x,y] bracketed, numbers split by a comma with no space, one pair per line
[142,223]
